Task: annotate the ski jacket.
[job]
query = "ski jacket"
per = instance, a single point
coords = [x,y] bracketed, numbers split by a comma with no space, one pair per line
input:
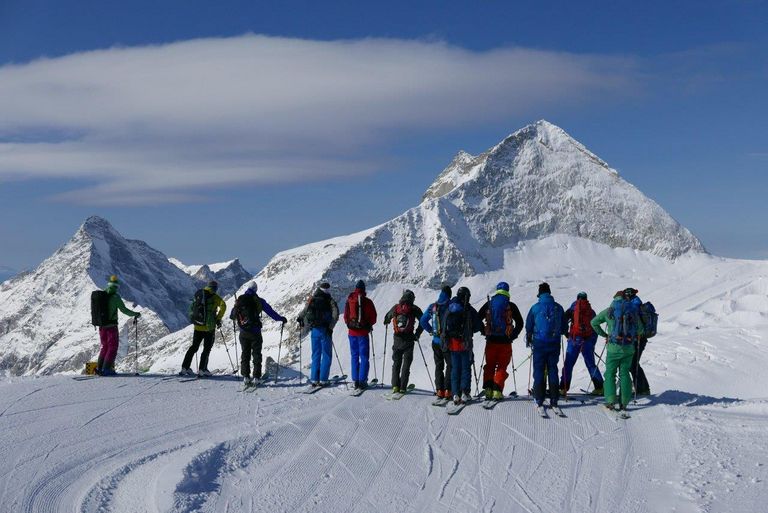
[569,321]
[417,315]
[472,325]
[331,315]
[539,322]
[517,319]
[432,318]
[368,318]
[216,308]
[265,307]
[114,304]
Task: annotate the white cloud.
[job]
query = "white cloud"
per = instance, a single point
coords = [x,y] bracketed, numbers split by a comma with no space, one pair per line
[161,123]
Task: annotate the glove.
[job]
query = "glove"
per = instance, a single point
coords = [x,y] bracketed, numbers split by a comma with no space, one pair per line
[218,323]
[528,339]
[300,321]
[138,314]
[283,320]
[329,331]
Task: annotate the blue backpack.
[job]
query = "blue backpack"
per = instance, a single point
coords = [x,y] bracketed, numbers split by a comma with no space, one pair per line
[498,318]
[650,319]
[455,320]
[626,318]
[548,322]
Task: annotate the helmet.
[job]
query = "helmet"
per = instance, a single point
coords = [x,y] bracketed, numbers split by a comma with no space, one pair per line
[463,293]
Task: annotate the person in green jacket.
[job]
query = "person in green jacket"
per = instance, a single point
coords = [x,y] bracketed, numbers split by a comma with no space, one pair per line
[212,308]
[108,334]
[618,357]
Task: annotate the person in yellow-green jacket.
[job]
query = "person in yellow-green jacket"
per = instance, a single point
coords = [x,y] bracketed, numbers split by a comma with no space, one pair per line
[108,333]
[619,354]
[205,313]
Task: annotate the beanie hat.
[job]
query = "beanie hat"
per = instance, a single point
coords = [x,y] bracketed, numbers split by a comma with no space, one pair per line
[325,286]
[408,296]
[213,285]
[503,285]
[544,289]
[446,289]
[360,285]
[463,293]
[113,283]
[581,295]
[629,292]
[251,291]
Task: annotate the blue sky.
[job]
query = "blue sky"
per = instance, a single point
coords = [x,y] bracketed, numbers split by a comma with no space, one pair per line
[221,129]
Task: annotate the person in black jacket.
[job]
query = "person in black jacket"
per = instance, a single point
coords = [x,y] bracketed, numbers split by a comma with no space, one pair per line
[404,317]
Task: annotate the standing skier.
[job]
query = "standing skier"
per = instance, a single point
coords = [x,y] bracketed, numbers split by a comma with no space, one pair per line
[247,314]
[544,326]
[404,316]
[320,314]
[503,324]
[621,319]
[205,312]
[581,339]
[461,323]
[639,380]
[359,316]
[108,333]
[432,322]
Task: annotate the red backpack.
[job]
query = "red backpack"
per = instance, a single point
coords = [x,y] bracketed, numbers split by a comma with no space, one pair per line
[582,316]
[354,313]
[403,321]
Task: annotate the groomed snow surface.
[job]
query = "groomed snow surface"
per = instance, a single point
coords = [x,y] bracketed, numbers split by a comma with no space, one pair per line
[156,444]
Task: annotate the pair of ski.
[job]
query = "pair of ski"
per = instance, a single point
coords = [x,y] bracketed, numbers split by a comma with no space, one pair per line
[616,413]
[396,396]
[253,386]
[542,411]
[333,381]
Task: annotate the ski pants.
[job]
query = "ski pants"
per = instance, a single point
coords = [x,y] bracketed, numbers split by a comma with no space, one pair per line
[402,357]
[110,341]
[322,353]
[618,358]
[585,347]
[545,358]
[207,338]
[359,350]
[251,345]
[497,358]
[442,367]
[638,375]
[461,372]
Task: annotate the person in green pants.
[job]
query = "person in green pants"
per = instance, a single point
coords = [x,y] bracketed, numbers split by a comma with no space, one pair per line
[618,357]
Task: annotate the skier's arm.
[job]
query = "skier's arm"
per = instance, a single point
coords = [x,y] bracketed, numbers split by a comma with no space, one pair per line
[477,324]
[268,309]
[564,326]
[389,315]
[124,309]
[419,314]
[221,308]
[370,312]
[518,320]
[424,322]
[334,314]
[484,311]
[529,326]
[596,323]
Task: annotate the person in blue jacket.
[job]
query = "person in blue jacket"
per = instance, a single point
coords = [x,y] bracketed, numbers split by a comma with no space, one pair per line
[544,326]
[247,314]
[432,322]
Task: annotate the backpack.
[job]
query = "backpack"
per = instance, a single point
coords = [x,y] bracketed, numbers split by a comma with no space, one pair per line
[582,315]
[498,318]
[437,321]
[198,312]
[650,319]
[548,322]
[247,312]
[355,314]
[454,320]
[99,308]
[626,316]
[403,321]
[318,311]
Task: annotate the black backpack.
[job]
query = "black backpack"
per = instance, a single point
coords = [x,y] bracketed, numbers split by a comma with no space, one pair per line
[99,308]
[455,320]
[247,312]
[319,311]
[198,312]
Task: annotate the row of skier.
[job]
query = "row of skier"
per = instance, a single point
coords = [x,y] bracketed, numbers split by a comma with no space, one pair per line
[451,322]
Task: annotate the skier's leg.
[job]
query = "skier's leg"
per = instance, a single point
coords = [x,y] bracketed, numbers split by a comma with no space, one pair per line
[455,372]
[245,354]
[504,356]
[327,354]
[258,342]
[397,360]
[613,355]
[317,353]
[625,364]
[405,372]
[437,357]
[491,362]
[642,382]
[571,355]
[197,337]
[588,353]
[208,338]
[553,359]
[448,358]
[466,371]
[364,349]
[539,360]
[354,358]
[112,346]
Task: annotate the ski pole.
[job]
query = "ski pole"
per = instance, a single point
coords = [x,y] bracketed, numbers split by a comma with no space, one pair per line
[599,359]
[279,348]
[474,370]
[426,366]
[637,367]
[373,349]
[301,365]
[234,337]
[514,376]
[530,370]
[338,360]
[136,359]
[224,341]
[384,358]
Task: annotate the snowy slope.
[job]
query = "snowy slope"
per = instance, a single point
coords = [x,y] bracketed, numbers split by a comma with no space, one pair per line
[45,314]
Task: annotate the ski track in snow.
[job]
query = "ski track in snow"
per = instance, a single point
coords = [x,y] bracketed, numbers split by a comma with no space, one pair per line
[150,445]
